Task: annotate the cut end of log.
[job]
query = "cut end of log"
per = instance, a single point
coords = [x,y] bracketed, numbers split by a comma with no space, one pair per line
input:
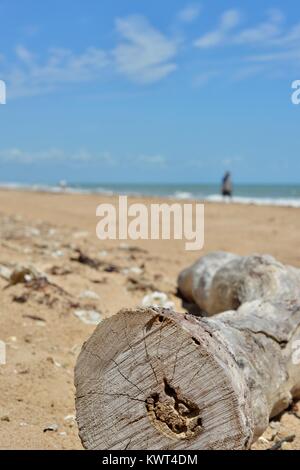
[156,379]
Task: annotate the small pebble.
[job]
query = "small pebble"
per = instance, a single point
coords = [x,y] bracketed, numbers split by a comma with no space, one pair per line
[89,294]
[90,317]
[157,299]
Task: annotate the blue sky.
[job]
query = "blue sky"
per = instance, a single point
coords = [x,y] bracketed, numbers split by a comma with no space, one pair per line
[149,91]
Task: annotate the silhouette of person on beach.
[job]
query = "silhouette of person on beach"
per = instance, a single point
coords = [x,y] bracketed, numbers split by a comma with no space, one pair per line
[227,185]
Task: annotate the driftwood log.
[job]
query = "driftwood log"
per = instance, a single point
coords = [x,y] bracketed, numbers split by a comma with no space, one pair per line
[222,281]
[156,379]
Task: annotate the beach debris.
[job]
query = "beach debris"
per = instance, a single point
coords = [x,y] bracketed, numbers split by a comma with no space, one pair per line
[111,268]
[84,259]
[25,273]
[278,445]
[53,361]
[89,317]
[245,349]
[57,254]
[5,418]
[21,299]
[51,427]
[46,293]
[222,281]
[89,294]
[157,299]
[133,270]
[71,420]
[34,317]
[43,284]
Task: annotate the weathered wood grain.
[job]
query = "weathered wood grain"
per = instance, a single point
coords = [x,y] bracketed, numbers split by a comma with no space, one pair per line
[157,379]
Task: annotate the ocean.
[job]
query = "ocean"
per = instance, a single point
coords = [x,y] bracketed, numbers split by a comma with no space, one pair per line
[258,194]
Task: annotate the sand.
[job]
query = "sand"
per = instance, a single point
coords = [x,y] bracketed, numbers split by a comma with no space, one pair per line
[38,322]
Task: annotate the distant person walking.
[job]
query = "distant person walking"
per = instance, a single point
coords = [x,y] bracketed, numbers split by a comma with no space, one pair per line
[227,185]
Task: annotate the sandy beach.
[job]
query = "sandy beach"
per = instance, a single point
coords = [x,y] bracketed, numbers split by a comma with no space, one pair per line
[40,323]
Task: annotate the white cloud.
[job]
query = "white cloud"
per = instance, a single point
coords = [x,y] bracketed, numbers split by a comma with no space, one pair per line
[17,155]
[145,55]
[189,14]
[273,45]
[263,32]
[81,158]
[53,155]
[229,20]
[31,76]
